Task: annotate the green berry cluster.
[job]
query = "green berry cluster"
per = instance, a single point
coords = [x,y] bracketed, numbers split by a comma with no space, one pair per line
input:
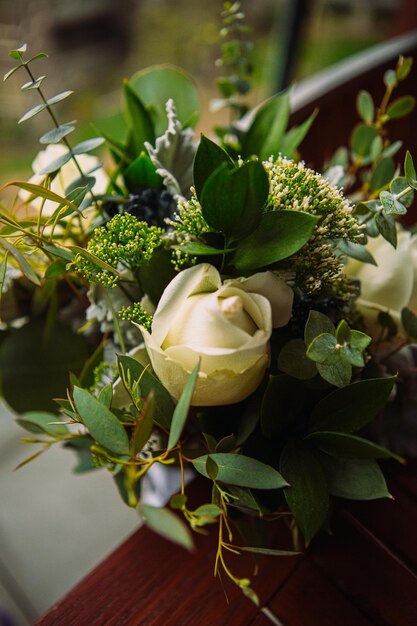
[136,313]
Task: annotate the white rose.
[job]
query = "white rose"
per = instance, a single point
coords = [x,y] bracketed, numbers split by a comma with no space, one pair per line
[67,175]
[227,326]
[391,285]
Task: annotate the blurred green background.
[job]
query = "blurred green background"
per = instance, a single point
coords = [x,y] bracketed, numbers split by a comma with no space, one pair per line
[94,44]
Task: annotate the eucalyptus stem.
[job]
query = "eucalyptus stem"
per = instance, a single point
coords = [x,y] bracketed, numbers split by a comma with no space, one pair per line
[57,125]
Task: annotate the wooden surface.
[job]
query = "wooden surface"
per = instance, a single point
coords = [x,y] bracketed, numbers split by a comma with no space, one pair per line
[363,575]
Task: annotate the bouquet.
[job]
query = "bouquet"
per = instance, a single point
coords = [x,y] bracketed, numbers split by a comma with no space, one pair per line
[219,305]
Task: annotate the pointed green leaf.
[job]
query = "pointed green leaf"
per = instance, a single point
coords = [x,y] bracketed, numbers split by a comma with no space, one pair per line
[295,136]
[208,158]
[268,551]
[357,479]
[57,268]
[138,118]
[26,268]
[195,248]
[409,169]
[265,134]
[144,425]
[232,200]
[349,446]
[279,235]
[17,53]
[12,71]
[308,494]
[182,408]
[293,360]
[338,373]
[56,164]
[164,404]
[242,471]
[387,226]
[40,422]
[167,524]
[105,396]
[101,423]
[382,174]
[323,349]
[351,408]
[141,173]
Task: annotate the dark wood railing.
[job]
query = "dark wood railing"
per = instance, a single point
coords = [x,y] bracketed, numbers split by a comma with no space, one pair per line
[366,573]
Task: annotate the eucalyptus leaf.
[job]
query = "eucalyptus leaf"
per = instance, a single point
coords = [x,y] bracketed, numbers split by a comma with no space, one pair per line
[391,204]
[56,134]
[40,422]
[409,169]
[355,251]
[362,139]
[56,164]
[365,106]
[317,324]
[88,146]
[279,235]
[323,349]
[242,471]
[101,423]
[308,494]
[33,84]
[338,373]
[387,228]
[32,112]
[59,97]
[351,408]
[401,107]
[182,409]
[167,524]
[105,396]
[382,174]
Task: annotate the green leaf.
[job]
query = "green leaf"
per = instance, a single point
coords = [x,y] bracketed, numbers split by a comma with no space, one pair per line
[409,169]
[317,324]
[88,146]
[242,471]
[391,204]
[182,408]
[266,132]
[208,158]
[359,340]
[56,164]
[355,251]
[404,66]
[409,321]
[59,97]
[40,422]
[351,408]
[382,174]
[207,510]
[398,185]
[377,148]
[56,134]
[33,84]
[17,53]
[12,71]
[138,118]
[392,149]
[57,268]
[26,268]
[390,79]
[232,200]
[295,136]
[164,406]
[308,495]
[156,85]
[178,501]
[212,468]
[167,524]
[279,235]
[357,479]
[401,107]
[105,396]
[362,139]
[349,446]
[32,112]
[144,425]
[387,228]
[338,374]
[343,332]
[282,403]
[268,551]
[293,360]
[60,252]
[195,248]
[101,423]
[323,349]
[141,173]
[365,106]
